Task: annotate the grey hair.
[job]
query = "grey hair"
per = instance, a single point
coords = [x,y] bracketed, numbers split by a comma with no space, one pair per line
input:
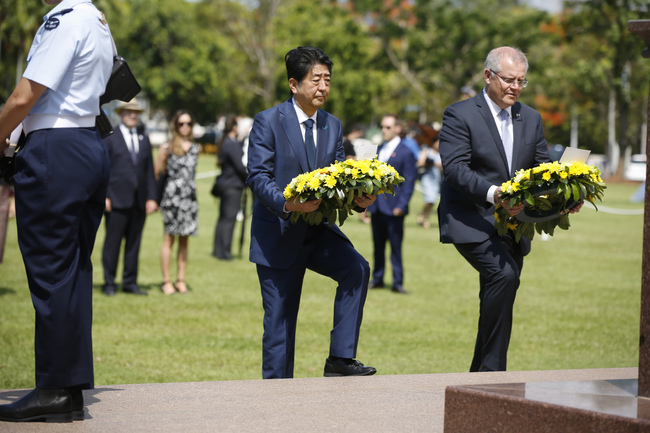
[497,55]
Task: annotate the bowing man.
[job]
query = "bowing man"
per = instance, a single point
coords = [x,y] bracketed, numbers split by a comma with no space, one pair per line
[289,139]
[483,141]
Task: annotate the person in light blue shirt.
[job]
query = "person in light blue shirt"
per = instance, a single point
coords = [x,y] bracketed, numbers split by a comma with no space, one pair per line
[61,175]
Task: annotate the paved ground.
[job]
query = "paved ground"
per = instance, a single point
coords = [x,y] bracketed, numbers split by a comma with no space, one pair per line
[407,403]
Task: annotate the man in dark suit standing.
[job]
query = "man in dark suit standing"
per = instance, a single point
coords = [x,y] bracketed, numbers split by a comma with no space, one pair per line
[388,215]
[131,196]
[483,141]
[289,139]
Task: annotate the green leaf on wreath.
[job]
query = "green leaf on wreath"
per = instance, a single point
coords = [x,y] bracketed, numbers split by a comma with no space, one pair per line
[529,198]
[368,187]
[564,222]
[350,196]
[343,215]
[576,192]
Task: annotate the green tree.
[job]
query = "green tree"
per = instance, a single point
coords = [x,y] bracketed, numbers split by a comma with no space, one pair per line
[438,46]
[357,82]
[178,63]
[19,21]
[249,33]
[609,56]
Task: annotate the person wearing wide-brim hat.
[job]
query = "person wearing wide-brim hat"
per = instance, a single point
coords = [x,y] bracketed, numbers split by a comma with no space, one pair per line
[130,197]
[132,105]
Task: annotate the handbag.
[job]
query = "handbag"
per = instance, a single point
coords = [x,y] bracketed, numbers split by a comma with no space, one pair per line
[216,188]
[160,185]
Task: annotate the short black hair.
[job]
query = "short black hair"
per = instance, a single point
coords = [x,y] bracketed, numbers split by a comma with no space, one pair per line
[299,61]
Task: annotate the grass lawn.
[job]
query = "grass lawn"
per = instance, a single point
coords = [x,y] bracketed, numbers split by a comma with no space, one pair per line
[578,306]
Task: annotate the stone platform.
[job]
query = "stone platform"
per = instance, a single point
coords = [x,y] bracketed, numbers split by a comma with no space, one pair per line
[405,403]
[587,406]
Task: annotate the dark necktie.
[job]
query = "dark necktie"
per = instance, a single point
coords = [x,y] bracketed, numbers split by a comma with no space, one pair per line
[310,146]
[506,137]
[134,154]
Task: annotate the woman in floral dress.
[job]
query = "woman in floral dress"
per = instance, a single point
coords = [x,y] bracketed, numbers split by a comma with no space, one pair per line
[178,204]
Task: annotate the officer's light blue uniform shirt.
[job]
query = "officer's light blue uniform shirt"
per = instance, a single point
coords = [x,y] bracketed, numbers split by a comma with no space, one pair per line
[73,59]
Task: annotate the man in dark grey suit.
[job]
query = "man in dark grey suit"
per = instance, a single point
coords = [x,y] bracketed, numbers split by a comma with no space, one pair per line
[130,197]
[483,141]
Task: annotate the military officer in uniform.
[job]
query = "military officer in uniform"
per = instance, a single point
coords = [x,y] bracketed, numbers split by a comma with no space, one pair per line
[61,175]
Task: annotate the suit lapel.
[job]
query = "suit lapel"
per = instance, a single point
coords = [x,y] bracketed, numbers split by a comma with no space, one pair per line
[323,133]
[484,109]
[291,127]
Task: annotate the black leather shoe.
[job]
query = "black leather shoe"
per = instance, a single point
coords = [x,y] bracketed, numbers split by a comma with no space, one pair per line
[399,289]
[49,405]
[108,291]
[346,367]
[376,285]
[135,291]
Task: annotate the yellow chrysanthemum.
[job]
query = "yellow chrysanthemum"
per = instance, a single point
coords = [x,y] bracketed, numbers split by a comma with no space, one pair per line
[335,169]
[314,183]
[288,192]
[363,165]
[330,182]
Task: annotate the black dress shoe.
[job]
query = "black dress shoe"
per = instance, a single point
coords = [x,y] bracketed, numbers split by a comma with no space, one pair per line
[49,405]
[346,367]
[399,289]
[108,291]
[135,291]
[376,285]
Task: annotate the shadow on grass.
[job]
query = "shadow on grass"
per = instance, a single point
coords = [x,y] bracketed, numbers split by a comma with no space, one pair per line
[7,291]
[145,287]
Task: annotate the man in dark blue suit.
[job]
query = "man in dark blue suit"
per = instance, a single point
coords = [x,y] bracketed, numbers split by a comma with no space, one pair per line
[388,215]
[131,196]
[483,141]
[283,144]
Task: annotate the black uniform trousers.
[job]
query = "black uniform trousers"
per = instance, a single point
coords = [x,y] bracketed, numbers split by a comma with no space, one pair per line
[61,180]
